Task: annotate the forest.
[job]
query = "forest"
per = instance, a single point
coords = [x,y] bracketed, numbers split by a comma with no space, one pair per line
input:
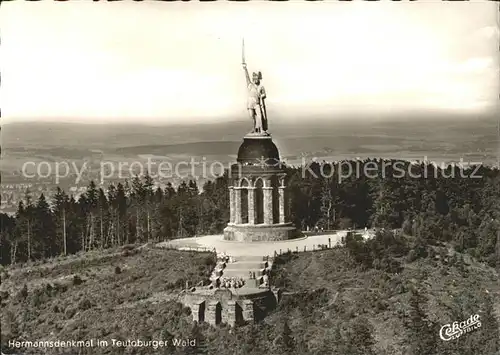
[444,205]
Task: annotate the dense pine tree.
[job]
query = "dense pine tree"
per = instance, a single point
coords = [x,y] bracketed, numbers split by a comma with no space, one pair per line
[422,332]
[463,211]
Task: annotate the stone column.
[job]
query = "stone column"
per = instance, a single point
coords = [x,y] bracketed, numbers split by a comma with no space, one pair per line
[237,205]
[268,203]
[248,313]
[282,204]
[251,205]
[210,314]
[231,204]
[229,314]
[197,310]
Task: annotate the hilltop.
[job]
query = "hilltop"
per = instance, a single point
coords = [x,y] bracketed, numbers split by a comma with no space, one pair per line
[346,300]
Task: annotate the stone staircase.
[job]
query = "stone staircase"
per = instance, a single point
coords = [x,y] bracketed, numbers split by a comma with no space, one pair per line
[247,265]
[248,303]
[242,273]
[241,267]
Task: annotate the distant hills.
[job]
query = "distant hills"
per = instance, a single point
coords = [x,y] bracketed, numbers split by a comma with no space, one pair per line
[444,138]
[195,148]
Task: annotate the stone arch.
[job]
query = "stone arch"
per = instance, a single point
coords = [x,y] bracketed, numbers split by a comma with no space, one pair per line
[201,312]
[244,182]
[259,200]
[218,313]
[259,180]
[238,314]
[275,196]
[244,205]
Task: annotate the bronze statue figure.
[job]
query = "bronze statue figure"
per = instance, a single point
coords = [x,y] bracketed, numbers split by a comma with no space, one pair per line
[256,99]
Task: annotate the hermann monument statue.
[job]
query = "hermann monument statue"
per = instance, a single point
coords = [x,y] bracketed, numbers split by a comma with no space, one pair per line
[258,212]
[257,182]
[256,105]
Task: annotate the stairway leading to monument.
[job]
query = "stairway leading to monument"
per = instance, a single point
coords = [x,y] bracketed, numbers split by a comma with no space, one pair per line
[241,273]
[250,265]
[243,267]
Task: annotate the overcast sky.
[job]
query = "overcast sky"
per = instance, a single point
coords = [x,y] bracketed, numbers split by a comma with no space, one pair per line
[171,62]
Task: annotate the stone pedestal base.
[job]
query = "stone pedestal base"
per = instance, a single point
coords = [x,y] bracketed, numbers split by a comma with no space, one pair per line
[247,305]
[260,232]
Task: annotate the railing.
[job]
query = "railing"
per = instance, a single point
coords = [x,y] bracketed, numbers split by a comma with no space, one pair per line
[199,249]
[318,247]
[321,232]
[189,248]
[314,248]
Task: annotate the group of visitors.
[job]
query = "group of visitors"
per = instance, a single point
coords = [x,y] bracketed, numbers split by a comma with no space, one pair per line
[232,282]
[226,258]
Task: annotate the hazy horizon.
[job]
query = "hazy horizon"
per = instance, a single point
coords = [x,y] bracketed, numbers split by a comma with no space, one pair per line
[296,120]
[180,63]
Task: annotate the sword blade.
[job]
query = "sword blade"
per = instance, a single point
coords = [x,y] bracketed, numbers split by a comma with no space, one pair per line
[243,50]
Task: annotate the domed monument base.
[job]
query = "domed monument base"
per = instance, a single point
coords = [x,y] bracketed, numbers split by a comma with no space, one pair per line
[258,207]
[260,232]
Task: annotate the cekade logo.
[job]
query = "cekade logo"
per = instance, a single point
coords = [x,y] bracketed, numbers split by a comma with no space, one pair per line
[456,329]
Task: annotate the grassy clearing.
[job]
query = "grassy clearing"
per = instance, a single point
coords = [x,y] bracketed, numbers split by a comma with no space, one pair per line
[345,291]
[81,297]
